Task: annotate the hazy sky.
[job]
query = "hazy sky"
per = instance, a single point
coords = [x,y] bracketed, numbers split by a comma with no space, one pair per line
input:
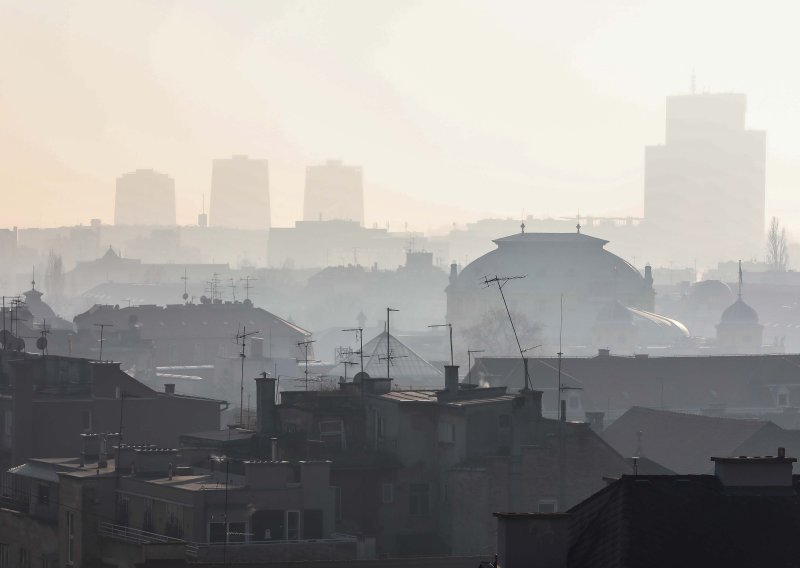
[455,109]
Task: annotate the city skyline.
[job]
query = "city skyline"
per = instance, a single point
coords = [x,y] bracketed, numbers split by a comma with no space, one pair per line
[543,151]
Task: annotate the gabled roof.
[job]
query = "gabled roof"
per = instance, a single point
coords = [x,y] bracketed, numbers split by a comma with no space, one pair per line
[683,442]
[407,368]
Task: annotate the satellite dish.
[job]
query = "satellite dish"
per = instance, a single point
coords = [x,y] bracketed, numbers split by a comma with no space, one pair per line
[185,296]
[20,345]
[41,343]
[360,376]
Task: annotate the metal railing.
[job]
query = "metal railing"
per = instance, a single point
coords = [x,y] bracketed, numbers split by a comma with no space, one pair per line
[135,536]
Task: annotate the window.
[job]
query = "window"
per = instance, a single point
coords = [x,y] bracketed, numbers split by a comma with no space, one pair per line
[332,432]
[24,558]
[86,419]
[216,532]
[173,525]
[337,503]
[292,525]
[70,539]
[447,432]
[43,494]
[419,499]
[237,532]
[147,520]
[548,506]
[380,427]
[387,493]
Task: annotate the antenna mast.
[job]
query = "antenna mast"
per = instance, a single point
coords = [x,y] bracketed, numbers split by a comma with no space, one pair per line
[388,345]
[360,331]
[102,327]
[501,281]
[305,344]
[242,337]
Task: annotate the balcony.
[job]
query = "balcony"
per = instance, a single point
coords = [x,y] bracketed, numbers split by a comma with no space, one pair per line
[135,536]
[343,547]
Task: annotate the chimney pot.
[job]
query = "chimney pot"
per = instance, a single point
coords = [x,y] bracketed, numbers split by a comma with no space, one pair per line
[265,404]
[781,452]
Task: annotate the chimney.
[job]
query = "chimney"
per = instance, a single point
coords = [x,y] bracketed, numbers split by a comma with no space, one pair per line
[603,352]
[596,420]
[532,539]
[755,472]
[451,379]
[169,388]
[274,449]
[265,404]
[648,275]
[102,458]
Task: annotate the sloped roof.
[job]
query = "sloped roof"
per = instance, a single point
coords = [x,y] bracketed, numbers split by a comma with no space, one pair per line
[407,368]
[679,520]
[681,442]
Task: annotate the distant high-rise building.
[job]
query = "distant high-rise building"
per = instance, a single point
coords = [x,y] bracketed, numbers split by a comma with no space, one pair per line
[145,197]
[240,193]
[704,188]
[334,191]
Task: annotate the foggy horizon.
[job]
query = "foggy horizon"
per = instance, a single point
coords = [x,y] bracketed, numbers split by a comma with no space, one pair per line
[490,106]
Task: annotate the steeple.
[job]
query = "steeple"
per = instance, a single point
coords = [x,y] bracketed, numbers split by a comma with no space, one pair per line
[740,279]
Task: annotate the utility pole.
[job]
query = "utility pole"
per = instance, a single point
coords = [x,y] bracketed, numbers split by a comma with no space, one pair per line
[501,281]
[102,327]
[470,352]
[243,338]
[306,344]
[360,331]
[448,325]
[388,345]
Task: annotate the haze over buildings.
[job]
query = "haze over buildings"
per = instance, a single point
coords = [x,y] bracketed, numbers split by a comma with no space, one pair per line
[705,187]
[145,197]
[334,192]
[240,193]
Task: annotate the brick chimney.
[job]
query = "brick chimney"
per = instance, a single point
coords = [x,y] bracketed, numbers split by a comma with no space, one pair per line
[532,540]
[265,405]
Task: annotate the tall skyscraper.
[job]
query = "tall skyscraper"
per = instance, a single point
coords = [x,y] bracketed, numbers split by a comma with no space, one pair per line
[704,188]
[334,191]
[240,193]
[145,197]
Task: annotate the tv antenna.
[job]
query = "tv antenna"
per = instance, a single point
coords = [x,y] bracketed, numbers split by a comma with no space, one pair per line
[388,346]
[305,345]
[501,281]
[242,337]
[346,363]
[247,279]
[360,331]
[41,342]
[185,279]
[102,327]
[448,325]
[232,286]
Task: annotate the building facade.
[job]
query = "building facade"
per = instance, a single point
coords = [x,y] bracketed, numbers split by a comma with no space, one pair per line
[145,197]
[240,193]
[705,186]
[334,191]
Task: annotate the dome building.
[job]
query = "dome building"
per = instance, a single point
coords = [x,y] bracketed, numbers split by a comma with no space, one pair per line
[739,330]
[574,265]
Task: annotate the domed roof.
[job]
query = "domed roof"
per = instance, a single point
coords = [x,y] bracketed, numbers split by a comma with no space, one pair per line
[710,294]
[615,312]
[556,263]
[739,312]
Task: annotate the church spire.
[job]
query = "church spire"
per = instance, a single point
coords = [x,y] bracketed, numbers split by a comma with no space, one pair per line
[740,279]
